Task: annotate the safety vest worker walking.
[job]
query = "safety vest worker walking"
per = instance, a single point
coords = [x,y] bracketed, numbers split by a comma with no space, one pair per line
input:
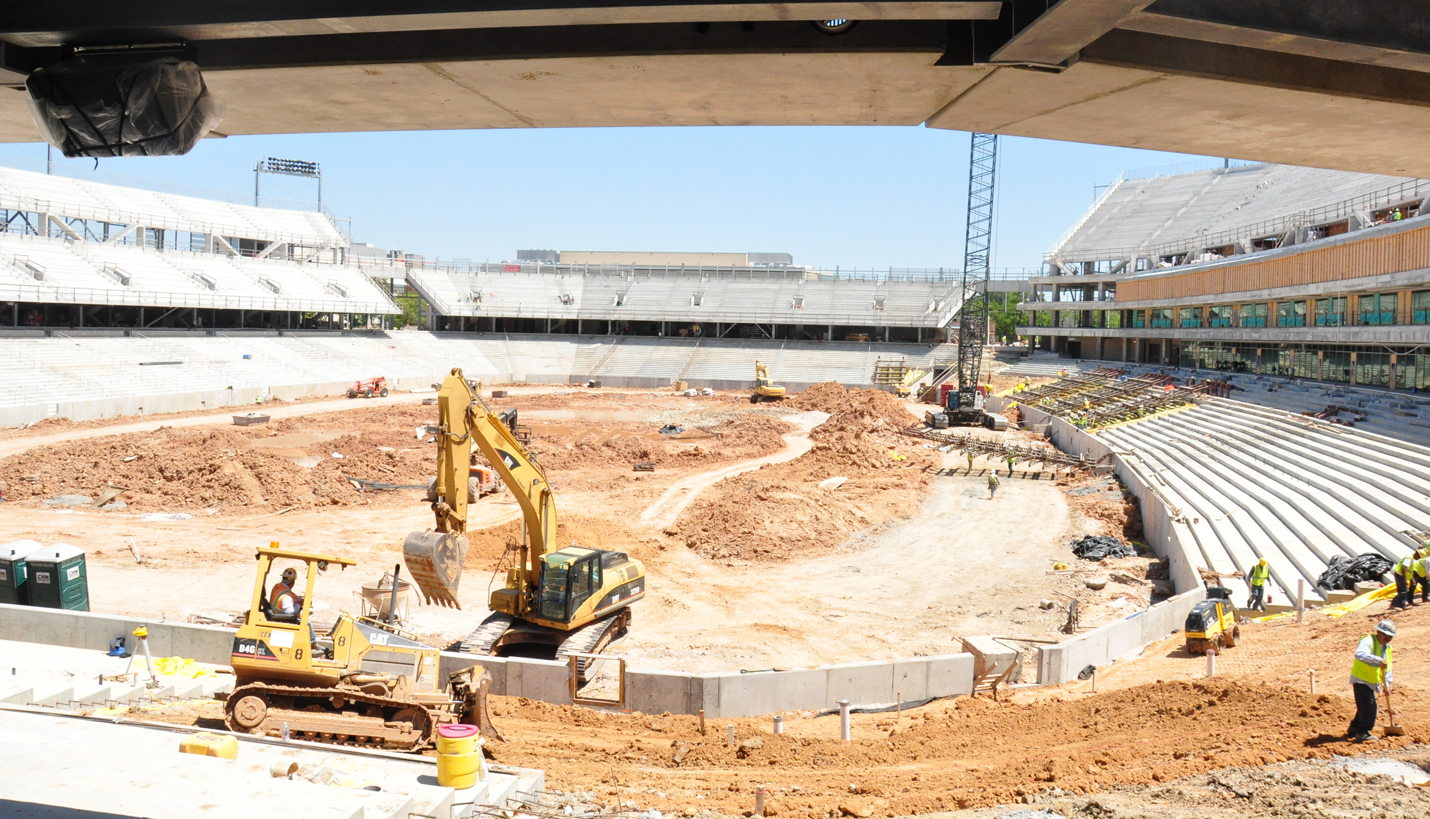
[1257,578]
[992,483]
[1370,670]
[1404,572]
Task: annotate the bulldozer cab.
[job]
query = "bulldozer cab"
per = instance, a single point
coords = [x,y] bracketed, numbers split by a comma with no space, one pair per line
[277,632]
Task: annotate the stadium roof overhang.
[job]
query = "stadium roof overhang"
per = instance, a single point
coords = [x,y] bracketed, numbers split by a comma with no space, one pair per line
[1315,82]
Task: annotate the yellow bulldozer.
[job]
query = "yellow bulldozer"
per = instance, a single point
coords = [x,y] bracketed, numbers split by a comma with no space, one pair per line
[362,682]
[555,602]
[765,390]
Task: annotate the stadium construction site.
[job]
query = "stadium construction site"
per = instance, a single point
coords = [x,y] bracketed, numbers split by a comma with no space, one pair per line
[838,604]
[827,547]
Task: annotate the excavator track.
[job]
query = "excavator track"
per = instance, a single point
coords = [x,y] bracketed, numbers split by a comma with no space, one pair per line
[501,630]
[338,716]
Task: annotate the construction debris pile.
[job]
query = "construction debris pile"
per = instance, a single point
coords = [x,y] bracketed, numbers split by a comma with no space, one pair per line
[1345,572]
[1097,547]
[779,511]
[1106,396]
[999,449]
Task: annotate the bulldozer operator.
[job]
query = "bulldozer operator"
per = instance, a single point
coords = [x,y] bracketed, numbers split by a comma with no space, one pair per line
[288,603]
[282,598]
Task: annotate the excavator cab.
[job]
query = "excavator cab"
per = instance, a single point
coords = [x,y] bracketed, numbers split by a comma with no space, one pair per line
[579,584]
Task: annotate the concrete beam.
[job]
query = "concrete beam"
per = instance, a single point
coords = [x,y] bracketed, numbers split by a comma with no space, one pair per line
[1394,33]
[38,24]
[1058,34]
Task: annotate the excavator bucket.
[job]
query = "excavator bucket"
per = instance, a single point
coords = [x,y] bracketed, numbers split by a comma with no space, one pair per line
[435,561]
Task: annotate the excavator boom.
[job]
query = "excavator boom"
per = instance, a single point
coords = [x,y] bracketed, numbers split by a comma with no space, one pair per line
[435,559]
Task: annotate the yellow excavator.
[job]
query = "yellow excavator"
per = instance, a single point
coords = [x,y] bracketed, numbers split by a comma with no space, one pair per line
[556,602]
[764,390]
[363,682]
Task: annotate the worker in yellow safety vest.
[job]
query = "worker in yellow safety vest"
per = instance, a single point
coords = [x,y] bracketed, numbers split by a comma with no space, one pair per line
[1404,571]
[1370,670]
[1417,578]
[992,483]
[1257,579]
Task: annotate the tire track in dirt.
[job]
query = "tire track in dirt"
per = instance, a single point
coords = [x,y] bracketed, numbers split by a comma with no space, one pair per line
[682,493]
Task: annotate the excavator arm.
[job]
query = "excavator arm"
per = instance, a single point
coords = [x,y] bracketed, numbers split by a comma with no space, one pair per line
[435,559]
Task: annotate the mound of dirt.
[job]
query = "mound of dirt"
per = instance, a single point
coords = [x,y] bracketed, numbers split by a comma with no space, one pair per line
[621,444]
[780,511]
[176,469]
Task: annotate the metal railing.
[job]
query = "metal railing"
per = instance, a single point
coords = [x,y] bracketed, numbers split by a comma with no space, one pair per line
[373,266]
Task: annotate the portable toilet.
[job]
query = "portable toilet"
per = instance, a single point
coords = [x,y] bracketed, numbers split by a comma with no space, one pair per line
[13,589]
[57,578]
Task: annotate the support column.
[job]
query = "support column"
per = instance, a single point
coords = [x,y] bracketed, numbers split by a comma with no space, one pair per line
[829,332]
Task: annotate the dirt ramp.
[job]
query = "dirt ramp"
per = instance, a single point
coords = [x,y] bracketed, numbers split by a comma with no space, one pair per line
[796,508]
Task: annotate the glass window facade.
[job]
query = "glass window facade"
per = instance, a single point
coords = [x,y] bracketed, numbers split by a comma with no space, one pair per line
[1420,307]
[1373,369]
[1162,317]
[1189,317]
[1219,315]
[1290,314]
[1331,312]
[1377,308]
[1253,315]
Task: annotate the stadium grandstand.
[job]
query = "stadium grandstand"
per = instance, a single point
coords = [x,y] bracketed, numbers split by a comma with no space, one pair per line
[1256,268]
[79,253]
[120,300]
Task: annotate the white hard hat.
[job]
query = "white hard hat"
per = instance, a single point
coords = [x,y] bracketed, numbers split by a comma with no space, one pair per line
[1386,627]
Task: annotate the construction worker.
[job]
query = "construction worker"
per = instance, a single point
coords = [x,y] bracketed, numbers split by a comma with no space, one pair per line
[1257,578]
[1403,571]
[992,483]
[1370,669]
[1012,459]
[969,453]
[1417,578]
[282,597]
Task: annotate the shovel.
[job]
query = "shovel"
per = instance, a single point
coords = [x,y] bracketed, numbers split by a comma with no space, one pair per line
[1391,729]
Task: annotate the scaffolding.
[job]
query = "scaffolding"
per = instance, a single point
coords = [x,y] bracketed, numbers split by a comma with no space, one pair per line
[994,448]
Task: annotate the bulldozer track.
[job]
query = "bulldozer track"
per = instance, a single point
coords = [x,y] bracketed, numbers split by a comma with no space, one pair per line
[334,727]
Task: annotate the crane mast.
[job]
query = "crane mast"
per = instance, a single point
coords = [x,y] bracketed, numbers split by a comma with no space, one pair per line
[964,406]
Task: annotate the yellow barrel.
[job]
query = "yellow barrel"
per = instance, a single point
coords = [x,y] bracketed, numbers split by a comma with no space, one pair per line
[459,771]
[457,740]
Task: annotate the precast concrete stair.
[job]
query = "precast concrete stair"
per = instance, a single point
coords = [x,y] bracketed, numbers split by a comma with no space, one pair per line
[1255,483]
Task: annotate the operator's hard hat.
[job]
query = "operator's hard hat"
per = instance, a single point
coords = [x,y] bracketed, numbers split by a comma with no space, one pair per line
[1263,561]
[1386,628]
[290,574]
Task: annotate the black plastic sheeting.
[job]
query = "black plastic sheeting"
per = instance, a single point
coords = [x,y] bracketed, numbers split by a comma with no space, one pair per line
[1345,572]
[99,107]
[1096,547]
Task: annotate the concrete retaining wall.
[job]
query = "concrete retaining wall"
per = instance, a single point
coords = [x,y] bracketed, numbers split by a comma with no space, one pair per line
[82,629]
[1168,538]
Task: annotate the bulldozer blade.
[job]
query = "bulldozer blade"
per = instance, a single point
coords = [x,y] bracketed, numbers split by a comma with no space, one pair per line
[471,686]
[435,561]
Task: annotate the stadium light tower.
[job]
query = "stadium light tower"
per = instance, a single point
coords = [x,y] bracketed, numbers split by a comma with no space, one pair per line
[288,167]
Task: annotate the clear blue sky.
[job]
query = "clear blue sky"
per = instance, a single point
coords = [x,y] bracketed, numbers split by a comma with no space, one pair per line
[852,196]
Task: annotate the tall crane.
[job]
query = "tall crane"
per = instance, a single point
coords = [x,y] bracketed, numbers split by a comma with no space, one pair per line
[964,407]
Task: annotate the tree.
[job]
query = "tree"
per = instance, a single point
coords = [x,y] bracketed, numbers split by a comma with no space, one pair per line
[1005,315]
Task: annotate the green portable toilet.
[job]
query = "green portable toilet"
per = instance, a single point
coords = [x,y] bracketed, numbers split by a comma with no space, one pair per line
[57,578]
[13,589]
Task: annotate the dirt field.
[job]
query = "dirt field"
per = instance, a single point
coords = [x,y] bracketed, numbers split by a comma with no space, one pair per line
[757,559]
[1158,739]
